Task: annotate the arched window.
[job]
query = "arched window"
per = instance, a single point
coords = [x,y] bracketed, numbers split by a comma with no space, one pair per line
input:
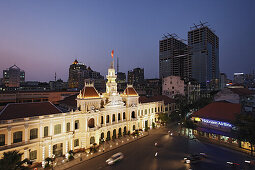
[107,118]
[125,130]
[118,116]
[113,117]
[102,135]
[133,127]
[92,140]
[114,134]
[102,119]
[119,132]
[124,115]
[91,123]
[108,135]
[133,114]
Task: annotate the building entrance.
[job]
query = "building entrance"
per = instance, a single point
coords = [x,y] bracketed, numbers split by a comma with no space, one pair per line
[58,149]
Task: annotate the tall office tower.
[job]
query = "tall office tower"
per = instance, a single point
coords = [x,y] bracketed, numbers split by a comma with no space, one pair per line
[174,59]
[121,81]
[13,76]
[76,75]
[204,51]
[136,76]
[78,72]
[238,78]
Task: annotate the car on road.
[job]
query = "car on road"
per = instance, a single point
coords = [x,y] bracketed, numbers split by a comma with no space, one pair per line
[115,158]
[194,158]
[232,164]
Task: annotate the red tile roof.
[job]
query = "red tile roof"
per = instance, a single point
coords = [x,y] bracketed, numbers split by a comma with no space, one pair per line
[69,101]
[222,111]
[23,110]
[130,91]
[89,92]
[167,100]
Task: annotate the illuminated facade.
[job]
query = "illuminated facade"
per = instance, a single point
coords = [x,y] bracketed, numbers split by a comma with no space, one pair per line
[99,116]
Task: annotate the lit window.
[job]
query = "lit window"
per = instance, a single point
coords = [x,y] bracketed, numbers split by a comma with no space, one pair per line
[57,129]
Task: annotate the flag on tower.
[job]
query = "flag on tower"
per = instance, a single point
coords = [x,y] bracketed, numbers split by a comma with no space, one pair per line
[112,53]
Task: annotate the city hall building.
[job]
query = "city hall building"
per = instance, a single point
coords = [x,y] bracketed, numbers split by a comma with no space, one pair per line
[41,130]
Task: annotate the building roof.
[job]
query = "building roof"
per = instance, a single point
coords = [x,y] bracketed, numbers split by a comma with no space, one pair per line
[242,91]
[130,91]
[23,110]
[69,101]
[222,111]
[167,100]
[89,92]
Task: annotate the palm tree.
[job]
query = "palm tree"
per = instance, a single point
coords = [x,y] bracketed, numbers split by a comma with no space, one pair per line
[12,160]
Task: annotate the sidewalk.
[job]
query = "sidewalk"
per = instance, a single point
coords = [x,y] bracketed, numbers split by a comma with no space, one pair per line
[236,148]
[108,146]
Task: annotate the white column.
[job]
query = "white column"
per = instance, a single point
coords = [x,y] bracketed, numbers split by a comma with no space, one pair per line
[43,157]
[26,132]
[41,131]
[51,128]
[86,124]
[117,117]
[50,154]
[72,126]
[98,120]
[105,120]
[64,125]
[9,136]
[71,144]
[66,149]
[110,119]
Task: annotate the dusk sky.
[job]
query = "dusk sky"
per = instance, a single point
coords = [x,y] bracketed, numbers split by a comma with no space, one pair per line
[44,37]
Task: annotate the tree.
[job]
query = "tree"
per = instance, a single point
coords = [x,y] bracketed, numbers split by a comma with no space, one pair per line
[12,160]
[163,117]
[245,123]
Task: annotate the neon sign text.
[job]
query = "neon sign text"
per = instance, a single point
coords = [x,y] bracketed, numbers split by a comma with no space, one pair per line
[215,122]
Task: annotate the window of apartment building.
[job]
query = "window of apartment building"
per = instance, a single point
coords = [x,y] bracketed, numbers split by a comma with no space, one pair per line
[151,110]
[57,129]
[118,116]
[113,117]
[17,137]
[33,133]
[173,87]
[141,112]
[146,111]
[76,142]
[76,124]
[33,155]
[68,127]
[107,119]
[155,109]
[46,131]
[2,139]
[124,115]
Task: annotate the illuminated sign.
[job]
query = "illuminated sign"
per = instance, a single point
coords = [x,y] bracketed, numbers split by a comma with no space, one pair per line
[197,119]
[215,122]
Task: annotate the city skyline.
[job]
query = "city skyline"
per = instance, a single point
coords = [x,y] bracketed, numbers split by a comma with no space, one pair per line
[46,37]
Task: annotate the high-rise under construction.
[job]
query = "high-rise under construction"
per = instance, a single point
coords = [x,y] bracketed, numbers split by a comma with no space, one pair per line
[204,52]
[174,58]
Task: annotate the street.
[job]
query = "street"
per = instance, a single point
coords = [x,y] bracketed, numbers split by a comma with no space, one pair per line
[139,155]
